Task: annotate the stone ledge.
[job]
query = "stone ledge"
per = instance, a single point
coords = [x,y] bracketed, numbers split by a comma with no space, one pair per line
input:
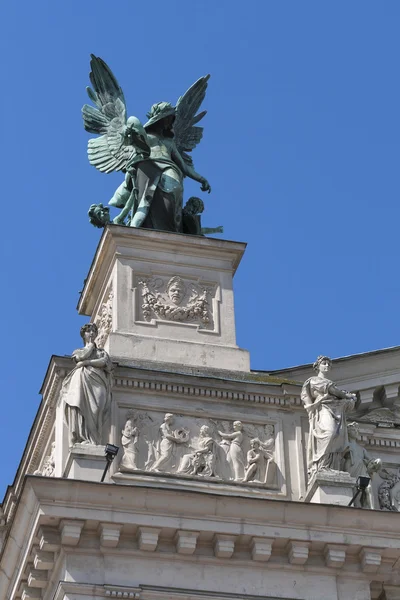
[199,484]
[330,487]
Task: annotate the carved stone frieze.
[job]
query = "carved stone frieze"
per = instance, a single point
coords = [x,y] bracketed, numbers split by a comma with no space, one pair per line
[382,417]
[192,447]
[389,491]
[48,466]
[176,299]
[104,321]
[129,443]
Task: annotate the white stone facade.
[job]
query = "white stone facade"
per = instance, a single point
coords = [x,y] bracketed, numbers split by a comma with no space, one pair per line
[208,497]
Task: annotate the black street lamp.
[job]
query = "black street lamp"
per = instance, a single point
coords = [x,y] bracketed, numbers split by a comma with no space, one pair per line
[110,452]
[362,484]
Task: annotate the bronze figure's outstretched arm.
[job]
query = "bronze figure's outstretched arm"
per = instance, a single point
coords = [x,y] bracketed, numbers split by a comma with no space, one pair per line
[189,171]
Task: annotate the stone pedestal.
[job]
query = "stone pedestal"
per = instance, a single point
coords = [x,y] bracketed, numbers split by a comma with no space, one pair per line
[85,462]
[331,487]
[165,297]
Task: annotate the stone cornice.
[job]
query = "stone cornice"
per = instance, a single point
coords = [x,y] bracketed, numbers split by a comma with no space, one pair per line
[270,534]
[40,431]
[198,391]
[350,525]
[148,592]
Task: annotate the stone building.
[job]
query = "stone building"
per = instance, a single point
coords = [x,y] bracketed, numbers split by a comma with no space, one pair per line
[208,497]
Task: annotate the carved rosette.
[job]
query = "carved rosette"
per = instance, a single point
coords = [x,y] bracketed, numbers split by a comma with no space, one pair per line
[178,300]
[104,321]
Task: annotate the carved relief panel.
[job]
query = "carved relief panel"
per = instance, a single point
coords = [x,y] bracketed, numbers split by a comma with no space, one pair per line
[178,300]
[389,489]
[201,448]
[104,319]
[48,465]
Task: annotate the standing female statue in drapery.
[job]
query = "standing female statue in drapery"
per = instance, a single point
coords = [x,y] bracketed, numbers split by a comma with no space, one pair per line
[326,406]
[153,156]
[86,390]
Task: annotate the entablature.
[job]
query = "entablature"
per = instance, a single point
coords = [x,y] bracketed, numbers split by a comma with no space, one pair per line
[58,518]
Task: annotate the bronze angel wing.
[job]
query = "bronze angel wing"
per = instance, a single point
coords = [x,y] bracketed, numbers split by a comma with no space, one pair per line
[114,149]
[187,134]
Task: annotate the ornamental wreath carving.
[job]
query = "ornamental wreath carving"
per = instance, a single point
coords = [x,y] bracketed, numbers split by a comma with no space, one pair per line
[104,322]
[176,300]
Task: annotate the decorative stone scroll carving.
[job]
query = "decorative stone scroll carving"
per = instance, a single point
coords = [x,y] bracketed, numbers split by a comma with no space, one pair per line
[326,406]
[176,300]
[86,390]
[104,323]
[189,447]
[49,464]
[129,443]
[358,463]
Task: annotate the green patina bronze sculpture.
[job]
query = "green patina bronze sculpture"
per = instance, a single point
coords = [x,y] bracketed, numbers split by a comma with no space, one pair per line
[153,156]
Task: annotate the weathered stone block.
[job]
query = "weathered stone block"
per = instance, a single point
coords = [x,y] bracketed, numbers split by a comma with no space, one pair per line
[261,548]
[224,545]
[186,541]
[110,534]
[148,538]
[71,532]
[298,552]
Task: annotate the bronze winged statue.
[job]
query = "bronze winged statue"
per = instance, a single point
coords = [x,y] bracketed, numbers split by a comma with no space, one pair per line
[154,157]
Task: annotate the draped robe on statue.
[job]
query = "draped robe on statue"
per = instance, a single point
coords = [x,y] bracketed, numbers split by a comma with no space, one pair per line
[87,395]
[327,439]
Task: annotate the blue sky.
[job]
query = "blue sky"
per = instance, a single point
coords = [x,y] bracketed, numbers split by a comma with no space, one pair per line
[301,148]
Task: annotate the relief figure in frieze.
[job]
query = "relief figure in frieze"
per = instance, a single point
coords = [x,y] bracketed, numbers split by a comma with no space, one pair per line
[201,461]
[258,460]
[235,454]
[167,443]
[129,442]
[187,446]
